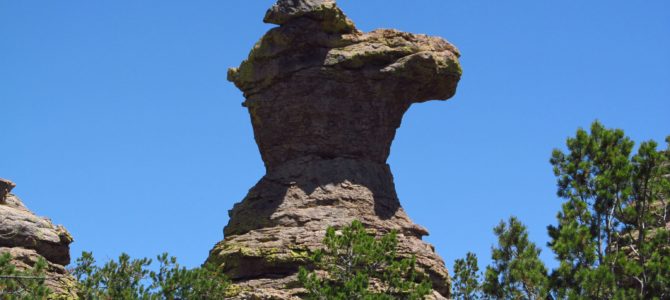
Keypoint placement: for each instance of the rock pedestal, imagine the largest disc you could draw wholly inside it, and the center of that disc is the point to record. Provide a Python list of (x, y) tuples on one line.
[(325, 101), (29, 238)]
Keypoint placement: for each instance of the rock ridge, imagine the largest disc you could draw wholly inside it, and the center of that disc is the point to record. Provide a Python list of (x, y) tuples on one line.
[(29, 238)]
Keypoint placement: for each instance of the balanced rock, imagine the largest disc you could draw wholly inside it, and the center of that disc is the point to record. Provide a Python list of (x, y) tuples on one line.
[(325, 101), (6, 187), (29, 238)]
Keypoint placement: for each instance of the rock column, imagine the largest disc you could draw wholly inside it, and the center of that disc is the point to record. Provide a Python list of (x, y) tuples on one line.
[(325, 101)]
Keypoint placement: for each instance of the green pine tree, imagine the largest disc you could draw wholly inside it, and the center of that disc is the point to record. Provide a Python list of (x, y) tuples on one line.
[(517, 271), (22, 284), (129, 279), (359, 266), (611, 240), (643, 264), (466, 280)]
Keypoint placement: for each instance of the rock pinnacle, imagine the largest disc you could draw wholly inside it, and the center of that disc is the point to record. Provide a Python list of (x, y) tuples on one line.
[(325, 100)]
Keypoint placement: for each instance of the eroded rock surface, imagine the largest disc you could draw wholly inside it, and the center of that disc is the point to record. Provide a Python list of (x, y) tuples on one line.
[(325, 101), (28, 238)]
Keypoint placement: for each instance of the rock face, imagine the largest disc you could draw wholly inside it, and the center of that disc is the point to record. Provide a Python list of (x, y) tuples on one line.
[(325, 101), (27, 238)]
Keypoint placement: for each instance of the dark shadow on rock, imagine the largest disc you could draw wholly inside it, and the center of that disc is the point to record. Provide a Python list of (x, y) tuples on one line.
[(329, 178)]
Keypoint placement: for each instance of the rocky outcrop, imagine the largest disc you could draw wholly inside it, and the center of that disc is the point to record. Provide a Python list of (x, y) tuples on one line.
[(28, 238), (325, 101)]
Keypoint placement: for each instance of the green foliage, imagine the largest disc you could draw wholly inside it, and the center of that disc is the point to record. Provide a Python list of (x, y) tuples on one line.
[(359, 266), (22, 284), (594, 179), (611, 239), (517, 271), (645, 238), (120, 279), (174, 282), (466, 280), (131, 279)]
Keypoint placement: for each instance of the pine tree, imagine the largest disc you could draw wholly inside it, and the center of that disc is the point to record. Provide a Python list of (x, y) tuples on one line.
[(517, 271), (22, 284), (644, 262), (611, 240), (466, 280), (128, 278), (360, 266)]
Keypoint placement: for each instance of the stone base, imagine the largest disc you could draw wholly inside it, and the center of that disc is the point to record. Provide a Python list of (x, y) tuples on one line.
[(272, 232), (62, 284)]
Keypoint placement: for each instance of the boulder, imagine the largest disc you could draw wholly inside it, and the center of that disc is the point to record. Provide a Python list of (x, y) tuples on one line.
[(28, 238)]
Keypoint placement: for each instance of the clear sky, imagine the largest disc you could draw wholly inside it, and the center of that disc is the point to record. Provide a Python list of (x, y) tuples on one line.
[(118, 121)]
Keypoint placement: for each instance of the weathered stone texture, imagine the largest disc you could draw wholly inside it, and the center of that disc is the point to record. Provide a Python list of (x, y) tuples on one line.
[(325, 101), (6, 187), (27, 238)]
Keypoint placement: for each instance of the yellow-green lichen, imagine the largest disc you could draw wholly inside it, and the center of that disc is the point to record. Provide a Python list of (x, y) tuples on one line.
[(233, 290), (300, 253)]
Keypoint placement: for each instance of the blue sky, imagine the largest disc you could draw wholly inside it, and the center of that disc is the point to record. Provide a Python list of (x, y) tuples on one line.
[(118, 121)]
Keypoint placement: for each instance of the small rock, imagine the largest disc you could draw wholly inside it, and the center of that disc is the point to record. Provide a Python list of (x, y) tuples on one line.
[(6, 187)]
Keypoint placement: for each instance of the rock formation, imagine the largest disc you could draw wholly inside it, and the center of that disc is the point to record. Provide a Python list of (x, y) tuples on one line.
[(325, 101), (28, 238)]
